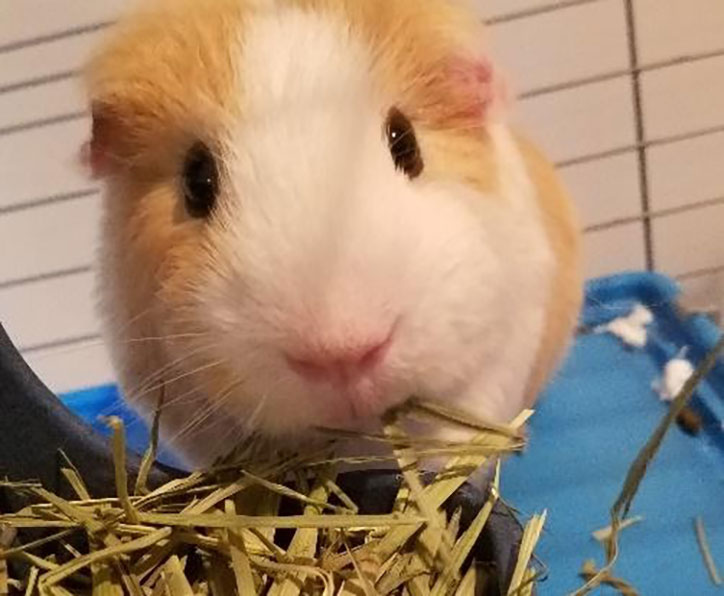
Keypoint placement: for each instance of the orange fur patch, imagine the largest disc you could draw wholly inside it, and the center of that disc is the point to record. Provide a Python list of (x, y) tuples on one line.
[(163, 78), (562, 228)]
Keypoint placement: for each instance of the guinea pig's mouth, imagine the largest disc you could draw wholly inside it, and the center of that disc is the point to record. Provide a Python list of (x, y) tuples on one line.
[(356, 407), (362, 407)]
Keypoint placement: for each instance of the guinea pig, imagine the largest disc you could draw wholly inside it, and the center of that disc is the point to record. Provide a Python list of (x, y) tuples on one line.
[(315, 209)]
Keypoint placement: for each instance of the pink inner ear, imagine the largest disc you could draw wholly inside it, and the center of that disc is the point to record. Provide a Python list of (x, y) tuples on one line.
[(95, 153), (473, 86)]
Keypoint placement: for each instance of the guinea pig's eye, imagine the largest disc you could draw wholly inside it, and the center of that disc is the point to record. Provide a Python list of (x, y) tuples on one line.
[(403, 144), (200, 181)]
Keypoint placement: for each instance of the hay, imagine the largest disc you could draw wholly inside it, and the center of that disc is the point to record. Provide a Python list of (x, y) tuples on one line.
[(706, 551), (589, 572), (215, 532)]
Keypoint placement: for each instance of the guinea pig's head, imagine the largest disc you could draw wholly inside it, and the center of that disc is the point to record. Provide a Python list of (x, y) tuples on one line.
[(305, 193)]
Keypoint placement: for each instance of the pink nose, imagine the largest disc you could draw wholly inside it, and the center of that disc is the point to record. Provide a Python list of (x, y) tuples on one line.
[(341, 363)]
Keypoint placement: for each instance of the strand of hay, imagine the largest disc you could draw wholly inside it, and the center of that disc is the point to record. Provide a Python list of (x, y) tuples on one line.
[(604, 534), (706, 551), (624, 588)]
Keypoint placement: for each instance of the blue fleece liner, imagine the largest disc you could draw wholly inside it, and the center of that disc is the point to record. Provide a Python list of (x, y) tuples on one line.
[(96, 403), (589, 426)]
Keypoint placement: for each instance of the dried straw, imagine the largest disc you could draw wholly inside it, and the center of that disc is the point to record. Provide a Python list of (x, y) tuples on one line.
[(214, 532)]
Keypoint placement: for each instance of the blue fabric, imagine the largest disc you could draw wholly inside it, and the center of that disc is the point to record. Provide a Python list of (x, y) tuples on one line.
[(93, 404), (589, 426)]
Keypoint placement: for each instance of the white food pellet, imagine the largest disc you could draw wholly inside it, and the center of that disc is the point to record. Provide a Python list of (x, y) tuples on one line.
[(631, 329), (676, 373)]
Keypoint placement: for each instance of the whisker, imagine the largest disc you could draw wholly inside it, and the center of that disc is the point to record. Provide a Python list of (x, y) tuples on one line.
[(158, 373), (102, 340), (160, 338), (184, 398), (242, 432), (256, 413), (175, 379), (218, 450), (214, 406), (86, 344)]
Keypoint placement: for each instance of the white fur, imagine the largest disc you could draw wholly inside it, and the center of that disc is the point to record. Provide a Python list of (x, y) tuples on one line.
[(318, 238)]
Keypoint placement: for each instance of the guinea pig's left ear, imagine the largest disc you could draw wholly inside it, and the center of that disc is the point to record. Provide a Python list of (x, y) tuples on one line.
[(477, 88)]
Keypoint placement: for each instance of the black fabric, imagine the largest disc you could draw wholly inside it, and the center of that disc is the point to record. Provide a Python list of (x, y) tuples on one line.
[(35, 426)]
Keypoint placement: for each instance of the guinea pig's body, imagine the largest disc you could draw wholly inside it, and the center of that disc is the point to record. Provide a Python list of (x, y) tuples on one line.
[(315, 209)]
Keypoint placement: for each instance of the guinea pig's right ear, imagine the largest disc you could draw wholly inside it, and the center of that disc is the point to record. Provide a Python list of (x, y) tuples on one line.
[(97, 154)]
